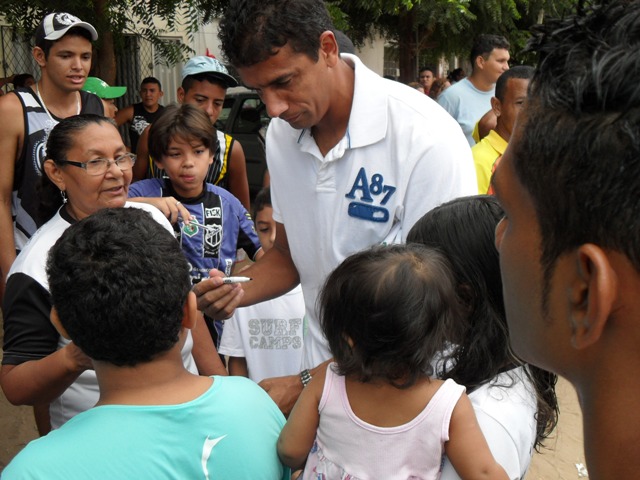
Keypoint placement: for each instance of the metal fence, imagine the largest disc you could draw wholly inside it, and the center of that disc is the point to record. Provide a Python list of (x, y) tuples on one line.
[(15, 54), (134, 62)]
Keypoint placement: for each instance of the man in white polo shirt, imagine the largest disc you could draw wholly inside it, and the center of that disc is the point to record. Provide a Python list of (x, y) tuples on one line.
[(354, 160)]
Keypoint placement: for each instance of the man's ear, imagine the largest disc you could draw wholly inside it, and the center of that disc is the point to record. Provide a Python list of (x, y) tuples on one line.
[(496, 106), (54, 172), (480, 61), (55, 320), (329, 48), (592, 295), (190, 311), (39, 56), (180, 92)]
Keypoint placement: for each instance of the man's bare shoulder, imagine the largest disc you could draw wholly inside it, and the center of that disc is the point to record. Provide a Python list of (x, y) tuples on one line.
[(124, 115), (10, 104), (12, 132)]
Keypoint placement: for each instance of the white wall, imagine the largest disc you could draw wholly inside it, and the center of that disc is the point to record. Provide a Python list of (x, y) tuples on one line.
[(372, 54)]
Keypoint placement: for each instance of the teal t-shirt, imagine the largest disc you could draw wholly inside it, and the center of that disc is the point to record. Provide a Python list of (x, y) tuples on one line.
[(229, 432)]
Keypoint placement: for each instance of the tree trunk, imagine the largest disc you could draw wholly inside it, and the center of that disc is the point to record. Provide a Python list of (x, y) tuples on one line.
[(407, 47), (104, 65)]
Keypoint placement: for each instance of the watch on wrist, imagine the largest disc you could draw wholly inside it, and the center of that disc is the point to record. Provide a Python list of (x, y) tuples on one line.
[(305, 377)]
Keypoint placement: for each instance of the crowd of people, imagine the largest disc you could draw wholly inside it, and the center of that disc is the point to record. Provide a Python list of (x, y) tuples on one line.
[(421, 267)]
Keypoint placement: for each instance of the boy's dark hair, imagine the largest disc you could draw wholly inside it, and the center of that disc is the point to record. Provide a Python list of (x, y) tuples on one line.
[(21, 79), (263, 199), (456, 75), (189, 80), (524, 72), (345, 45), (251, 31), (427, 68), (463, 229), (119, 282), (485, 44), (578, 148), (398, 307), (62, 139), (151, 80), (46, 45), (181, 121)]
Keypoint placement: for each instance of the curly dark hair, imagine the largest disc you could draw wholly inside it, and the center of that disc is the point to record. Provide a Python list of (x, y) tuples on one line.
[(119, 282), (251, 31), (580, 157), (463, 230)]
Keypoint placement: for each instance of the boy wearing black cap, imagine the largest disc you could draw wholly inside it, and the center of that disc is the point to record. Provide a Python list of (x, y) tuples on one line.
[(63, 52)]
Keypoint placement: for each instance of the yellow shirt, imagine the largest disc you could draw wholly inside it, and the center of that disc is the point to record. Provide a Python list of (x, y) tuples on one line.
[(485, 153)]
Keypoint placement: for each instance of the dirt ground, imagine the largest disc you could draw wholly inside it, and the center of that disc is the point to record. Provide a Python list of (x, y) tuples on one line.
[(560, 461)]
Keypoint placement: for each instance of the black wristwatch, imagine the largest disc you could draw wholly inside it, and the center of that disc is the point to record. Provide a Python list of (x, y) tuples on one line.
[(305, 377)]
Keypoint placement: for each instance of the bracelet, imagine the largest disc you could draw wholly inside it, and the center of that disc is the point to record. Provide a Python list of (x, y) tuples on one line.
[(305, 377)]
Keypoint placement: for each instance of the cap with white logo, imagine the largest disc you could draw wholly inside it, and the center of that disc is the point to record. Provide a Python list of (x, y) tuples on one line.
[(55, 25)]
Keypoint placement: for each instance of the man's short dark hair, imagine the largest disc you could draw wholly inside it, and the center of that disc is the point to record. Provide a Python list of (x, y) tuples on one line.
[(251, 31), (578, 148), (524, 72), (485, 44), (147, 80), (119, 282), (345, 45)]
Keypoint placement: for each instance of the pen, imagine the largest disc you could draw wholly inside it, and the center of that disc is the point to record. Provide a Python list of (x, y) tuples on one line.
[(227, 280)]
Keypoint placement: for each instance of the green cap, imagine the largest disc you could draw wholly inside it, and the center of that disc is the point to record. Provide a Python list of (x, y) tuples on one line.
[(102, 89)]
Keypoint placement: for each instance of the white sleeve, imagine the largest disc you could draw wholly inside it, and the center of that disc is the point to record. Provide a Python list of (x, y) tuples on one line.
[(157, 215), (444, 171), (450, 104), (231, 341), (501, 445)]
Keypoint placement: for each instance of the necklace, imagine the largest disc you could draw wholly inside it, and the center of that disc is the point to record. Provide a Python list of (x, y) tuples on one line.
[(45, 105)]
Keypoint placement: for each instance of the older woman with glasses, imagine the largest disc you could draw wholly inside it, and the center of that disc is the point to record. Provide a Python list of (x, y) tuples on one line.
[(87, 169)]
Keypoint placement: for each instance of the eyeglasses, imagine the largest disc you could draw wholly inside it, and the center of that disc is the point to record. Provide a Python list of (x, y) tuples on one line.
[(100, 166)]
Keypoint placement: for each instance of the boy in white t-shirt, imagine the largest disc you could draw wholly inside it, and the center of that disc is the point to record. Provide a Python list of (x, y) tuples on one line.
[(265, 340)]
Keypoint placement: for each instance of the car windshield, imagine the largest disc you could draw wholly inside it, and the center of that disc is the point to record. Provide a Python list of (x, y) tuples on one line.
[(221, 123)]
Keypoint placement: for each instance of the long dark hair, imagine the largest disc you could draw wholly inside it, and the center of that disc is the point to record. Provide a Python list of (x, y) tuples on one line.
[(463, 230), (61, 139)]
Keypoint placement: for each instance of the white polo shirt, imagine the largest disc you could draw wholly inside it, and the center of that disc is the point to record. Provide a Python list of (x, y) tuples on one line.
[(401, 156)]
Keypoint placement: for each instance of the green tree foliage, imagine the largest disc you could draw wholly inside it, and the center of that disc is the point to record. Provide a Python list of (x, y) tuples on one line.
[(422, 30), (115, 18), (425, 30)]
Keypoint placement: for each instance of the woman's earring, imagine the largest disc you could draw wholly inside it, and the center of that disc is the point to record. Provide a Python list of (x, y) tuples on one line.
[(63, 194)]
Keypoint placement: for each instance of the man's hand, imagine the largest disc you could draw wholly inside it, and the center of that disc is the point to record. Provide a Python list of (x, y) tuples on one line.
[(169, 206), (284, 391), (217, 300)]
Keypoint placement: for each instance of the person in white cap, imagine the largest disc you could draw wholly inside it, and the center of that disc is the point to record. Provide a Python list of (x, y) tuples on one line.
[(204, 84), (106, 93), (63, 52)]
